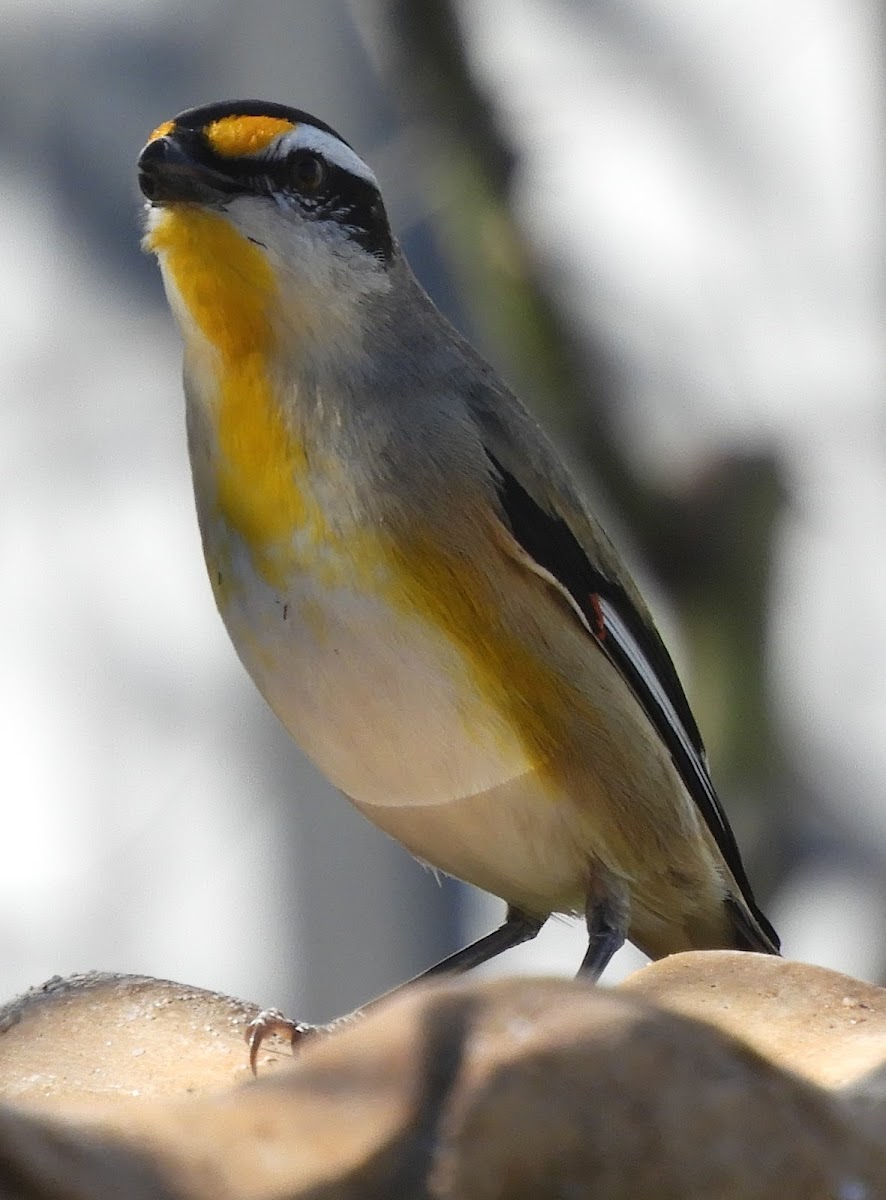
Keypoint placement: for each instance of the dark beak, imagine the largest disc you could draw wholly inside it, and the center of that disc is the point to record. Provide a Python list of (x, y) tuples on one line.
[(168, 172)]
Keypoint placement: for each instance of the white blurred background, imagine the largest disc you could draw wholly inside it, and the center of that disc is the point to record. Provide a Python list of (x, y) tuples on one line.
[(701, 188)]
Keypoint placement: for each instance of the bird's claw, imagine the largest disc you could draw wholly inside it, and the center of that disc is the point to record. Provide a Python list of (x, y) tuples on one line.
[(268, 1022)]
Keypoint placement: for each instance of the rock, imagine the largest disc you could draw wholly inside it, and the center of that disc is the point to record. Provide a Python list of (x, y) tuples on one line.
[(827, 1027), (122, 1036), (42, 1158), (478, 1091)]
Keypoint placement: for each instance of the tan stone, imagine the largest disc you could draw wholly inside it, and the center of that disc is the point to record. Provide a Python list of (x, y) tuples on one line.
[(825, 1026), (122, 1036), (508, 1090)]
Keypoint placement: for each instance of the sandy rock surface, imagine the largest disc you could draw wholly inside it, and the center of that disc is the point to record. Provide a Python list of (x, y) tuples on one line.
[(828, 1027), (124, 1037), (478, 1091)]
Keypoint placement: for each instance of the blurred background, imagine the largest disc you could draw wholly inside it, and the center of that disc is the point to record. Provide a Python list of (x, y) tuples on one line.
[(662, 220)]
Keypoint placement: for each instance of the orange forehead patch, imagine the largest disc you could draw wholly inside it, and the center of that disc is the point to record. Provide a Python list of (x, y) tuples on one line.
[(161, 130), (232, 136)]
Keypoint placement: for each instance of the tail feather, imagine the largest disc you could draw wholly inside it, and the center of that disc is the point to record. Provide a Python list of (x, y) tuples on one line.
[(752, 930)]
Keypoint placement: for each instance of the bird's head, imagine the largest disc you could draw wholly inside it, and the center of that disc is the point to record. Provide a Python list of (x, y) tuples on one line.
[(266, 223)]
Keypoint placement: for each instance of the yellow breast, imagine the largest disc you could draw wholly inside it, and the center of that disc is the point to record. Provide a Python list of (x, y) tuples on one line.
[(225, 291)]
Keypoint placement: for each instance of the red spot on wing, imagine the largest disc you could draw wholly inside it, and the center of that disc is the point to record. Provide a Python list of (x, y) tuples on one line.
[(599, 620)]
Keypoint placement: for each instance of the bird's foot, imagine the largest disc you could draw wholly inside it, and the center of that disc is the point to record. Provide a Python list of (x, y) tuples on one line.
[(270, 1022)]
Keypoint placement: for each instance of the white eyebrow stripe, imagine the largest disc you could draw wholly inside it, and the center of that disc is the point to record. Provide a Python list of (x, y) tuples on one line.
[(308, 137)]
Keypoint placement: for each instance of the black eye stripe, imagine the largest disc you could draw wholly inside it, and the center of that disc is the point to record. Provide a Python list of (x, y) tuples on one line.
[(352, 202), (357, 206)]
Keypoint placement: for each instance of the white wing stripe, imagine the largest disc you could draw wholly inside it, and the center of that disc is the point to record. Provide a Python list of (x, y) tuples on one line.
[(628, 644)]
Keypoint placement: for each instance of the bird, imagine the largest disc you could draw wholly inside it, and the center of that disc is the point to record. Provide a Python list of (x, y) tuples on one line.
[(408, 570)]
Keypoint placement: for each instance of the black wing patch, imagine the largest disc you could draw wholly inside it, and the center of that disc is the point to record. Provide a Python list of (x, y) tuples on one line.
[(639, 654), (549, 540)]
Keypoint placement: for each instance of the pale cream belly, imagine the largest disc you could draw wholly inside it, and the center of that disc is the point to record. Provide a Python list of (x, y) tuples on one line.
[(389, 712), (520, 841), (380, 700)]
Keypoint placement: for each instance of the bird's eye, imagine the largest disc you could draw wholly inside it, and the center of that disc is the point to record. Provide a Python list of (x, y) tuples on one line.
[(308, 172)]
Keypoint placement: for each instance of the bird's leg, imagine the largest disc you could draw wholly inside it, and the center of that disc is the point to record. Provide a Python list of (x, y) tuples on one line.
[(607, 914), (518, 928)]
